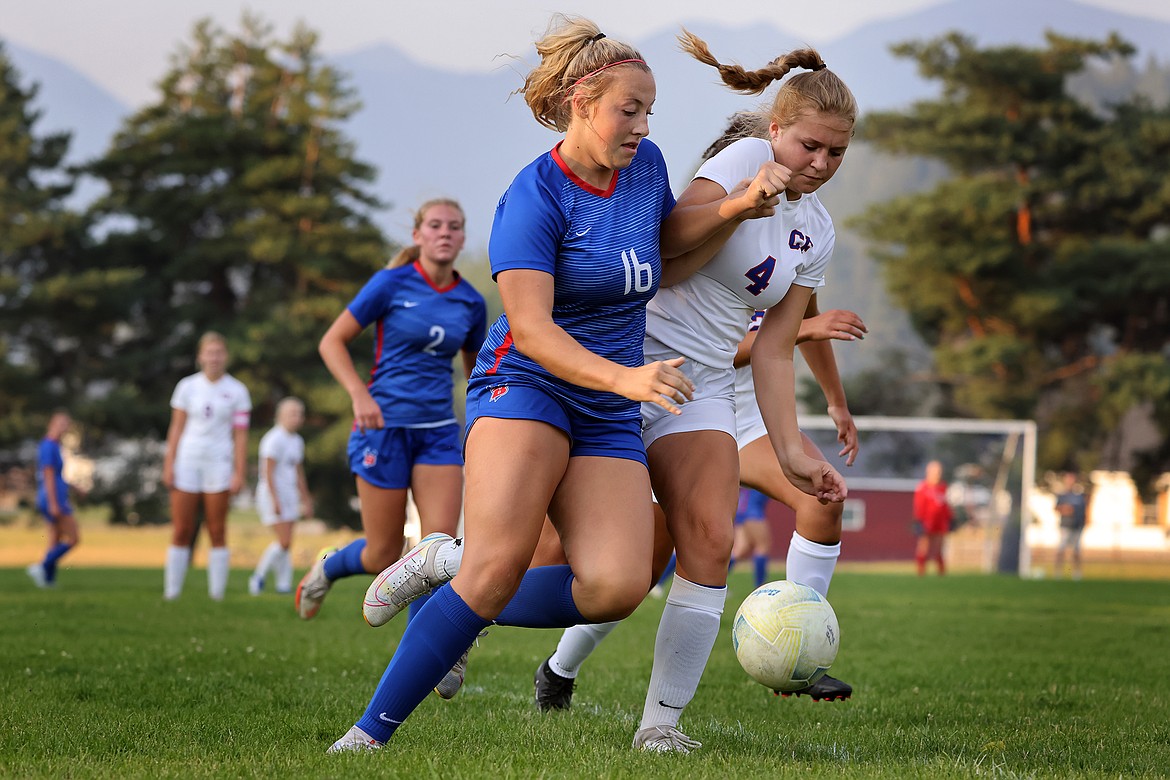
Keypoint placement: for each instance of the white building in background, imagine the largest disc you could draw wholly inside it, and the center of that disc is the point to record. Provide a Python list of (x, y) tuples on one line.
[(1117, 518)]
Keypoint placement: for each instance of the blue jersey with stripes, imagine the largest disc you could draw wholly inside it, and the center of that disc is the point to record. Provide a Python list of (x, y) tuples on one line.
[(420, 329), (49, 457), (602, 249)]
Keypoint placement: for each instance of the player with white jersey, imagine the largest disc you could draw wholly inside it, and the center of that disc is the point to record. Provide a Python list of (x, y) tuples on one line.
[(205, 459), (282, 493)]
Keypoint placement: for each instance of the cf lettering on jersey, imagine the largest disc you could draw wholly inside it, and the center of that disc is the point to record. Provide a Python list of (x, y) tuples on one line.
[(639, 275), (798, 240)]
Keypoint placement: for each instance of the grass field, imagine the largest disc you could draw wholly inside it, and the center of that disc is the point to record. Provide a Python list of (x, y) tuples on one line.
[(963, 676)]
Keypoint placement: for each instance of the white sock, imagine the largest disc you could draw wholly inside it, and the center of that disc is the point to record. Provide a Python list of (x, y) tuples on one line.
[(284, 571), (217, 572), (686, 634), (178, 559), (576, 644), (450, 557), (812, 564), (268, 558)]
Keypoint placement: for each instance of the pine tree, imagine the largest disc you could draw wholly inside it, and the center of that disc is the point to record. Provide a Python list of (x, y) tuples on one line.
[(45, 294), (1037, 269), (237, 203)]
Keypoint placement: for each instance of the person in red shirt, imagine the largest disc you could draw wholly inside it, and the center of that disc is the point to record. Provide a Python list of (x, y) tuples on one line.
[(932, 511)]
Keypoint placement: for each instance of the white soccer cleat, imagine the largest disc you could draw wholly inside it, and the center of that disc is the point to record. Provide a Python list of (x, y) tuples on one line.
[(255, 585), (354, 741), (313, 586), (36, 573), (453, 680), (665, 739), (414, 574)]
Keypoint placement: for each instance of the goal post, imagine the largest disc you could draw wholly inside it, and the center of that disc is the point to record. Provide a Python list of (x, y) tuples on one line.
[(991, 465)]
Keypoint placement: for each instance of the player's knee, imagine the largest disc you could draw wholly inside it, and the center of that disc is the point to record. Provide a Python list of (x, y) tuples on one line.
[(613, 596)]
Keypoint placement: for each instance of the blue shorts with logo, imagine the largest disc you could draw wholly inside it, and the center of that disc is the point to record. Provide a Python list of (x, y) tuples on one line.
[(751, 505), (62, 503), (385, 457), (512, 399)]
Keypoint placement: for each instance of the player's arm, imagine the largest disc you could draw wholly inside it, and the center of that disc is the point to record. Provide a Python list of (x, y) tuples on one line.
[(240, 456), (334, 351), (303, 487), (49, 477), (527, 296), (705, 208), (269, 466), (818, 354), (775, 381), (174, 433), (469, 356), (834, 324)]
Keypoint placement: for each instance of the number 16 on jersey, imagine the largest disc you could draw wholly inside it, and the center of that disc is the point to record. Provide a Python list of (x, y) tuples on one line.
[(639, 275)]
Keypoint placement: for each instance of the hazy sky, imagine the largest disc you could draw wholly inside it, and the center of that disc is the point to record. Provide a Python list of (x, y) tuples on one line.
[(124, 45)]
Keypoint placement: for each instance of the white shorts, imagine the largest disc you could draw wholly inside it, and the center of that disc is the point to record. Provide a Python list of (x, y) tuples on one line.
[(713, 407), (749, 423), (290, 506), (203, 475)]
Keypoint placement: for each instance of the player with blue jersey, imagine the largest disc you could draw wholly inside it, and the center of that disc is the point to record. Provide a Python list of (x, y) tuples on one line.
[(53, 501), (405, 436), (553, 418)]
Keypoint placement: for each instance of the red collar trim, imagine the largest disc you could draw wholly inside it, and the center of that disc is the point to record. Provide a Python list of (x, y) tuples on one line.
[(422, 272), (565, 169)]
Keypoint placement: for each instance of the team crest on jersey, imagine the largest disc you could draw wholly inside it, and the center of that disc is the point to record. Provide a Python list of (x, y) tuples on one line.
[(369, 458), (798, 240), (497, 393)]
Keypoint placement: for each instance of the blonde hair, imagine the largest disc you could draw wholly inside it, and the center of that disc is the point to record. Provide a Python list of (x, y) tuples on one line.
[(819, 91), (285, 403), (575, 62), (408, 254)]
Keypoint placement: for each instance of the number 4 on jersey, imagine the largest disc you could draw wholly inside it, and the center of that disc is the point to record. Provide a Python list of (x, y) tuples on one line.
[(760, 276)]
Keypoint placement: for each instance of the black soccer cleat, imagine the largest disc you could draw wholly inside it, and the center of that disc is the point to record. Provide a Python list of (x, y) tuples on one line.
[(553, 692), (825, 689)]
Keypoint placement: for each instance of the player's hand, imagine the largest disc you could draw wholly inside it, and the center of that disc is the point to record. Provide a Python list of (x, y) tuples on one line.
[(817, 478), (762, 195), (307, 507), (367, 415), (840, 324), (660, 382), (237, 483), (846, 433), (168, 476)]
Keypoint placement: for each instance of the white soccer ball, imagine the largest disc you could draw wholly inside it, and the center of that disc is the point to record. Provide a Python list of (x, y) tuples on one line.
[(785, 636)]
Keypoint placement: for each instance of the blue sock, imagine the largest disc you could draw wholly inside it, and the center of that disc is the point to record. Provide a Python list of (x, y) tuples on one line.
[(347, 561), (55, 553), (416, 605), (430, 646), (544, 600), (761, 566), (668, 572)]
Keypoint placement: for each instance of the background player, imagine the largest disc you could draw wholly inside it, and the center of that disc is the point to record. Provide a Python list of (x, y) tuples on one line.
[(553, 404), (753, 538), (282, 493), (405, 433), (53, 501), (207, 444), (934, 515)]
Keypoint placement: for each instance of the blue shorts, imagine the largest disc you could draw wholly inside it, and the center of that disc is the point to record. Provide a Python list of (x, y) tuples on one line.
[(751, 505), (588, 435), (62, 502), (385, 457)]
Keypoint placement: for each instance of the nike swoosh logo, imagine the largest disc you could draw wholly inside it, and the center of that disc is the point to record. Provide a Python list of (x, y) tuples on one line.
[(668, 706), (583, 232), (409, 304), (382, 717)]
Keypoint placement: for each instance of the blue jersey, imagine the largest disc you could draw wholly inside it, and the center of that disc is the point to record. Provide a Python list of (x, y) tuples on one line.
[(49, 457), (602, 249), (420, 329)]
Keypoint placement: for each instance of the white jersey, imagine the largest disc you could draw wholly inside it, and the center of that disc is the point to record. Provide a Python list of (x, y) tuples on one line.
[(705, 316), (213, 410), (287, 449)]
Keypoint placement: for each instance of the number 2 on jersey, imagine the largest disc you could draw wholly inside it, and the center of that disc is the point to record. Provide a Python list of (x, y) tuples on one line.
[(438, 335), (761, 276)]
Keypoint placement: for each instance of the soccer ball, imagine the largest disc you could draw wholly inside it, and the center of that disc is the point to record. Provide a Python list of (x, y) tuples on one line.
[(785, 636)]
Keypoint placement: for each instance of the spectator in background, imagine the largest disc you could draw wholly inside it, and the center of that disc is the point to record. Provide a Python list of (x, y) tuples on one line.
[(934, 515), (207, 447), (282, 493), (1072, 503), (53, 501)]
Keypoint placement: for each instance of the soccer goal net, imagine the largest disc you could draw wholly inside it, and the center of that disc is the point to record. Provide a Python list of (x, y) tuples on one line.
[(989, 465)]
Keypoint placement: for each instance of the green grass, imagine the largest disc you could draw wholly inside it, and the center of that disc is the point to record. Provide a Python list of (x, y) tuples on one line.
[(964, 676)]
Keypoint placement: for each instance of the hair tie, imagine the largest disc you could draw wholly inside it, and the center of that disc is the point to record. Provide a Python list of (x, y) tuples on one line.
[(597, 37), (820, 66)]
